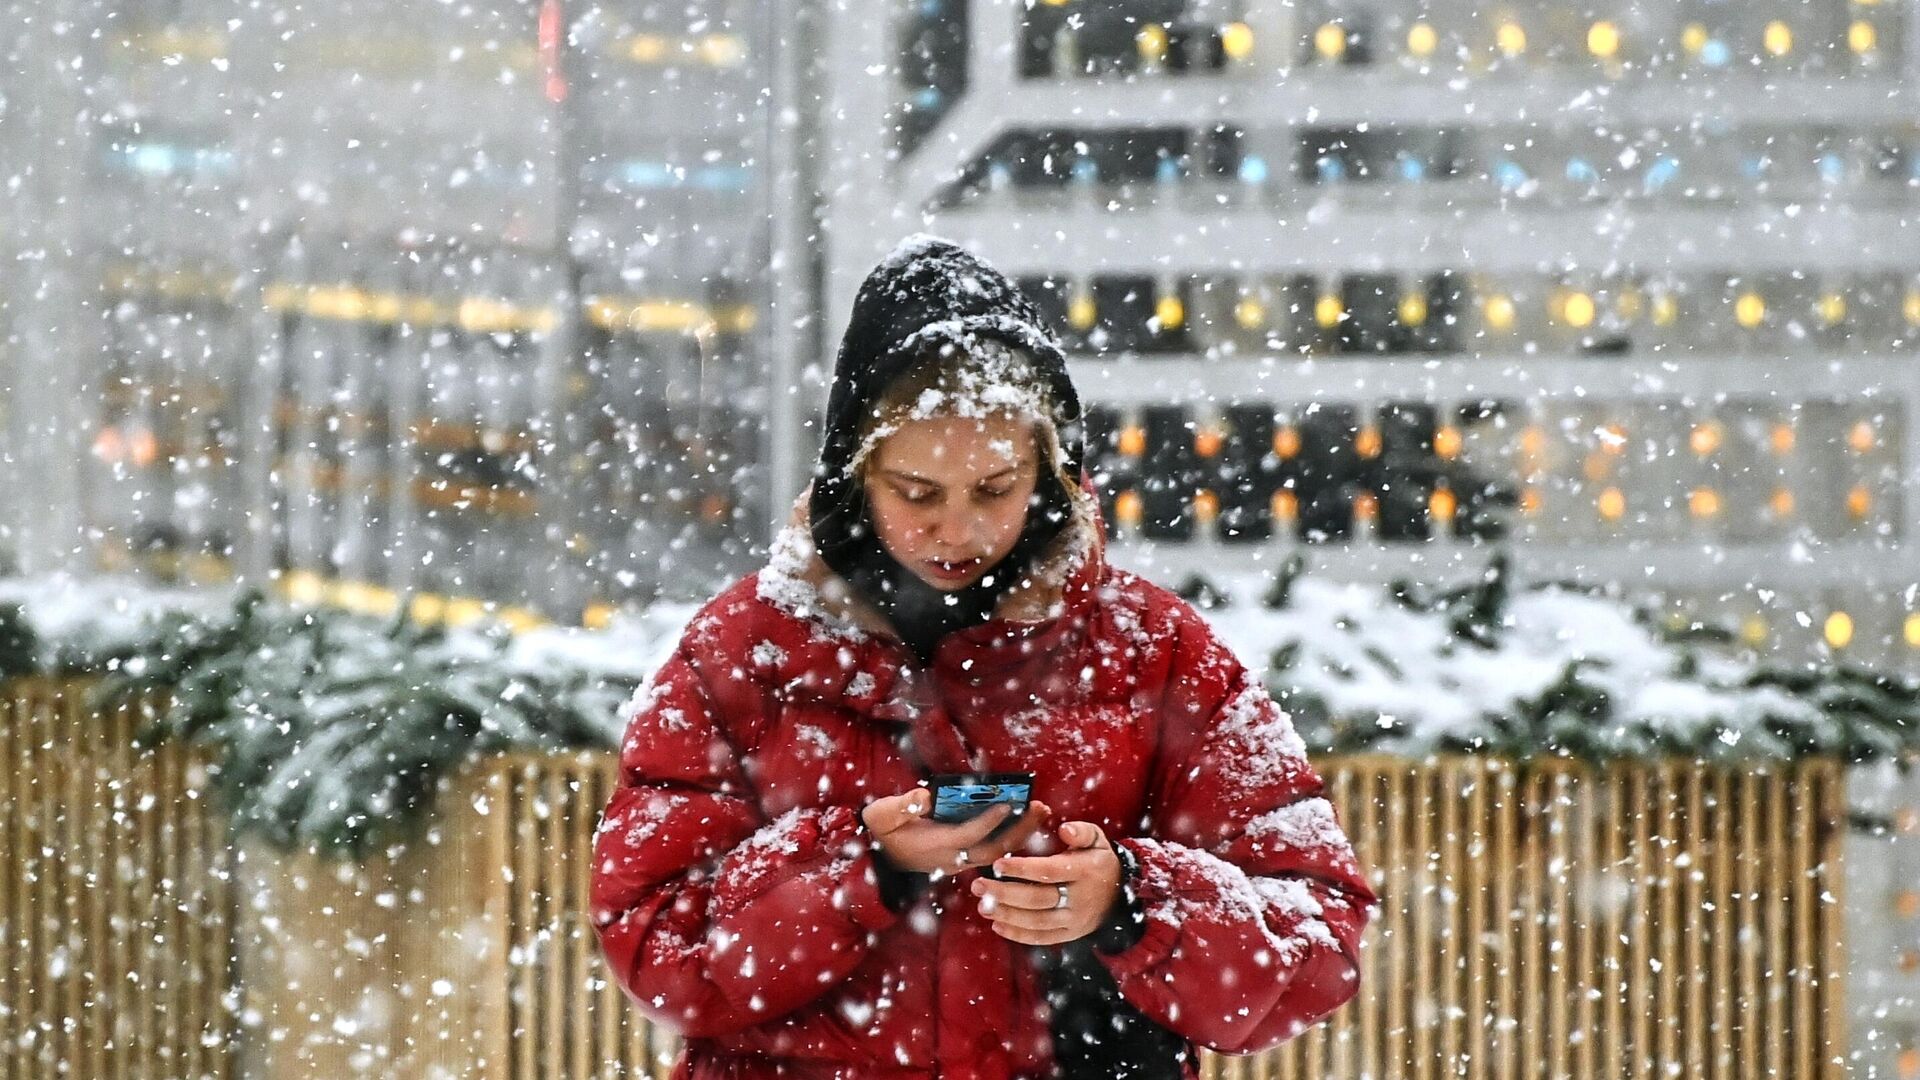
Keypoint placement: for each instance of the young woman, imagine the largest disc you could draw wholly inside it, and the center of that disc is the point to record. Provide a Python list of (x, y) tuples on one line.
[(766, 877)]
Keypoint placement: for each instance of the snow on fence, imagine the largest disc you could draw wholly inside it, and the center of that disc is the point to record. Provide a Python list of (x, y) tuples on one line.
[(1638, 920)]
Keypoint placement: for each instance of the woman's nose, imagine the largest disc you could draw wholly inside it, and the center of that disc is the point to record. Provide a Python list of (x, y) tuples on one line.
[(953, 531)]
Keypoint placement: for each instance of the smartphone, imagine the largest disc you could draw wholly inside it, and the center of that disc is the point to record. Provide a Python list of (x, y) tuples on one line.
[(961, 797)]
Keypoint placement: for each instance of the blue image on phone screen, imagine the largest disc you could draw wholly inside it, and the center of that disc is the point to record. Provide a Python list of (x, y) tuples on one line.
[(963, 802)]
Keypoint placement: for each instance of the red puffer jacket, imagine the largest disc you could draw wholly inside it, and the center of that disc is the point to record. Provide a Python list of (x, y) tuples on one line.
[(735, 897)]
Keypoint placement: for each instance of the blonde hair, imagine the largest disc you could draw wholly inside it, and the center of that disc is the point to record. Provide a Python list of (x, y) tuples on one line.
[(987, 379)]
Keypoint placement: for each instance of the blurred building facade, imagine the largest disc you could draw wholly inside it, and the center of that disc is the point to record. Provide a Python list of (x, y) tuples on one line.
[(390, 299), (530, 304)]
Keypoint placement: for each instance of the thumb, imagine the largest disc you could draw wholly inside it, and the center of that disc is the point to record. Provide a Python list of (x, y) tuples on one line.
[(890, 813), (1082, 834)]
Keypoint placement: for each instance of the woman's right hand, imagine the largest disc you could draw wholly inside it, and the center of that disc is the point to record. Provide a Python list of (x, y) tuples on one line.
[(912, 841)]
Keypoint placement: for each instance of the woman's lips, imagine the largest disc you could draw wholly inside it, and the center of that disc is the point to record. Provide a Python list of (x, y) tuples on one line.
[(952, 571)]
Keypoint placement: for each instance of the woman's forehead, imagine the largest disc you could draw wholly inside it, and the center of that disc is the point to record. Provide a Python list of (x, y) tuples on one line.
[(956, 447)]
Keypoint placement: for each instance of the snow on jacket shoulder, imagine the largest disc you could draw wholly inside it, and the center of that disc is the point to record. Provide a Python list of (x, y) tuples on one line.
[(737, 903)]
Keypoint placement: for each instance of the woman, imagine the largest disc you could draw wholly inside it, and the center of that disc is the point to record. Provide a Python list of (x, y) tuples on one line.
[(766, 878)]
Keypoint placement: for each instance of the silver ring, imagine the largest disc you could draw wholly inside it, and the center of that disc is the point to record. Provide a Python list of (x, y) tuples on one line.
[(1063, 897)]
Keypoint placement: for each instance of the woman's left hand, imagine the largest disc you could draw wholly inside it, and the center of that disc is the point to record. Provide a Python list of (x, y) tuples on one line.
[(1030, 911)]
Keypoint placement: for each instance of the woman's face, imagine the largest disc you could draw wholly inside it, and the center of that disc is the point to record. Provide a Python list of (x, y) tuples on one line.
[(949, 494)]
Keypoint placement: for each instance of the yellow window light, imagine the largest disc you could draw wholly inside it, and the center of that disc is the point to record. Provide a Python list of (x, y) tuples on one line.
[(1367, 441), (1530, 501), (1613, 438), (1413, 309), (1861, 437), (1236, 40), (1777, 38), (1750, 310), (1422, 39), (1511, 37), (1629, 303), (1206, 506), (1133, 441), (1533, 441), (1446, 441), (1704, 502), (1128, 508), (1442, 504), (1250, 314), (1910, 629), (1170, 312), (1781, 438), (1577, 309), (1910, 308), (647, 48), (1328, 311), (1603, 39), (1152, 41), (598, 616), (1499, 311), (1081, 312), (1693, 38), (1596, 467), (1705, 438), (1208, 442), (1666, 310), (1832, 308), (1754, 630), (1366, 506), (1862, 37), (1286, 441), (1839, 629), (721, 50), (1781, 504), (1859, 502), (1285, 506), (1330, 41), (1611, 503)]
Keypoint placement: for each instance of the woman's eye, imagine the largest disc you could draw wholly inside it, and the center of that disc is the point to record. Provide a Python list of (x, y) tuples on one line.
[(996, 493), (917, 496)]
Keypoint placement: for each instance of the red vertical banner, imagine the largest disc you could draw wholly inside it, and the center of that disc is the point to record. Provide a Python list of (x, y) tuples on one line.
[(552, 40)]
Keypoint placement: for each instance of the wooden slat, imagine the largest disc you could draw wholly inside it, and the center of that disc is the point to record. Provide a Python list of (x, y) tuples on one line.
[(1831, 811), (1472, 844), (1778, 894), (1748, 928), (1667, 981), (10, 929), (1697, 1039), (43, 781), (1505, 858), (1721, 868), (1397, 918)]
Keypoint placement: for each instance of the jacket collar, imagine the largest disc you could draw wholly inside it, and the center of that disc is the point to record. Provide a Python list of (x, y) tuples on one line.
[(799, 582)]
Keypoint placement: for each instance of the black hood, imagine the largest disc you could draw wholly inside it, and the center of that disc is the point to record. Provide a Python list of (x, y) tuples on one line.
[(928, 292)]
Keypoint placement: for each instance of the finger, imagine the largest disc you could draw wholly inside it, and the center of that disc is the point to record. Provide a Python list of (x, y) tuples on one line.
[(1017, 894), (985, 851), (893, 811), (1023, 919), (967, 834), (1082, 834), (1045, 869), (1034, 937)]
